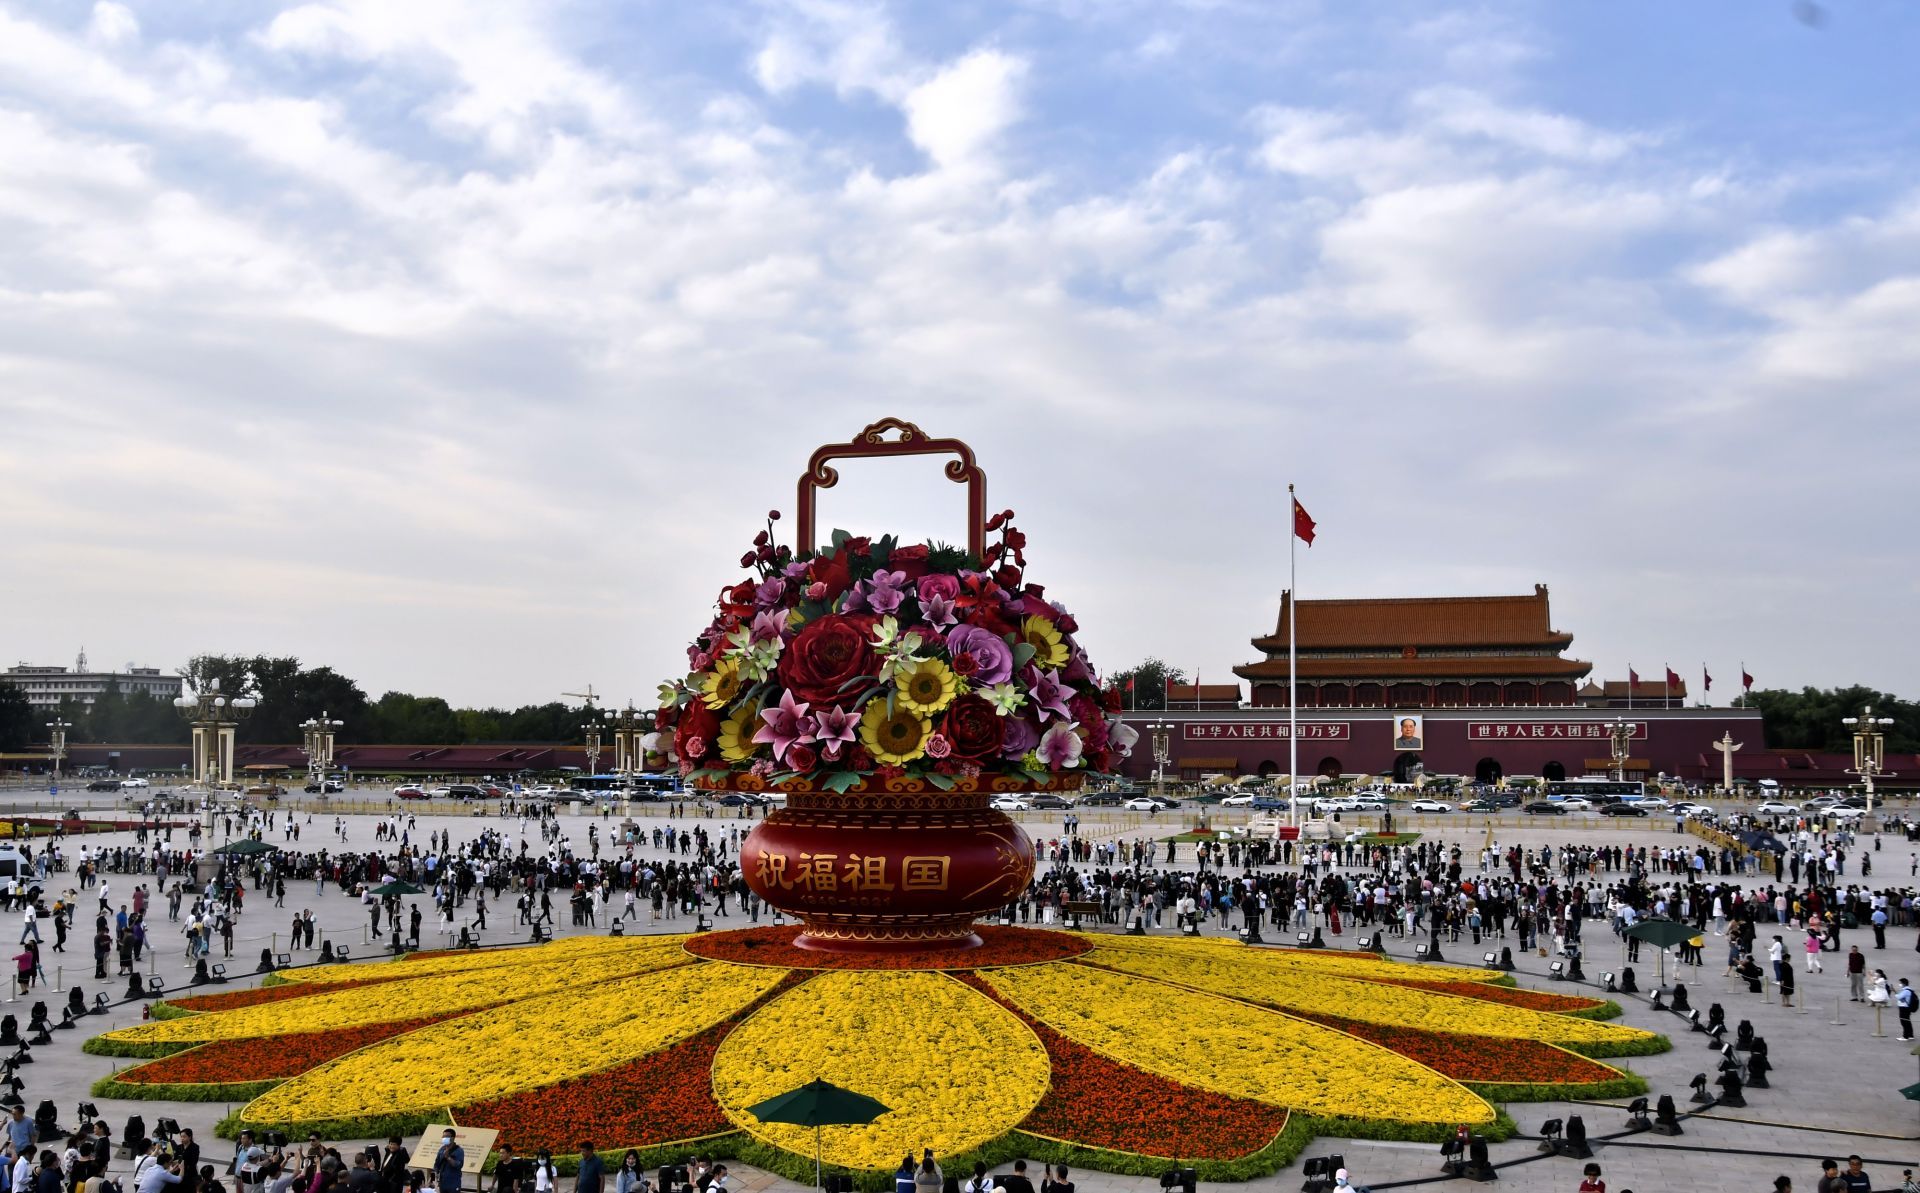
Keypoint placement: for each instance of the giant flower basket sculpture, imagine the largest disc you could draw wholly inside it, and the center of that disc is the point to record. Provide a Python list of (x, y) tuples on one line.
[(890, 691)]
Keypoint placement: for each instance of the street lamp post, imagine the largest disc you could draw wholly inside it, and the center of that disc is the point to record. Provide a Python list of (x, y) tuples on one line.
[(214, 718), (592, 730), (1869, 752), (57, 744), (1162, 732), (318, 734), (1621, 735)]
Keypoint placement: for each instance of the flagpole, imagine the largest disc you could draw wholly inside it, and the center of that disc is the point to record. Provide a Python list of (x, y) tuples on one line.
[(1629, 686), (1293, 679)]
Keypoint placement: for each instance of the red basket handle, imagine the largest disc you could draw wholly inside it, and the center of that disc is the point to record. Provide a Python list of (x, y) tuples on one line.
[(911, 441)]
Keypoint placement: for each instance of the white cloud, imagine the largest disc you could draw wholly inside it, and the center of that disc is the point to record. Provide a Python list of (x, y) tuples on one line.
[(959, 114), (111, 24)]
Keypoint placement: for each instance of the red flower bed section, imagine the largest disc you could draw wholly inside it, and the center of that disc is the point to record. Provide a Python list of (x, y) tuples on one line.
[(999, 947), (657, 1099), (1531, 1000), (252, 998), (1474, 1058), (1102, 1103), (267, 1058)]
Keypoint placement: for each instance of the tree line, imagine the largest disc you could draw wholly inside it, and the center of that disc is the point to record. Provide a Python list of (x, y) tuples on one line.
[(288, 694)]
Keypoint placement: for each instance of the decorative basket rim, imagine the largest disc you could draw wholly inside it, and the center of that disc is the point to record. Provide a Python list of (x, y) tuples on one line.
[(986, 784)]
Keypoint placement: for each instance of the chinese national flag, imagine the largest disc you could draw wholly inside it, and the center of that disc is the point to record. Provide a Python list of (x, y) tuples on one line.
[(1302, 523), (1129, 685), (1633, 679), (1706, 679), (1673, 680), (1746, 681)]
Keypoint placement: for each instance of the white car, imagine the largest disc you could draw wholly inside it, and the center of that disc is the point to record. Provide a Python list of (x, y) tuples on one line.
[(1576, 803), (544, 791), (129, 784), (1009, 803), (1429, 805), (1776, 808), (1846, 813), (1652, 803), (1369, 805), (1243, 800), (1140, 803)]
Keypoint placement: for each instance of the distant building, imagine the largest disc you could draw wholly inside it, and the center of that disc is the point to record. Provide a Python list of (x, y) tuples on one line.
[(1419, 652), (1204, 697), (1645, 694), (46, 687)]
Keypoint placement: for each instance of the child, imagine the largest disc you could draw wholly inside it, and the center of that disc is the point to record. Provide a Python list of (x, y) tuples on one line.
[(1593, 1183)]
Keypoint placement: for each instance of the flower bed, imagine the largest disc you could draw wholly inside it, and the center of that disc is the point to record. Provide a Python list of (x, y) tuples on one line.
[(1531, 1000), (447, 961), (259, 996), (1371, 966), (1476, 1060), (240, 1070), (1383, 1003), (659, 1099), (999, 947), (956, 1069), (390, 1002), (1102, 1103), (585, 1027), (1232, 1048)]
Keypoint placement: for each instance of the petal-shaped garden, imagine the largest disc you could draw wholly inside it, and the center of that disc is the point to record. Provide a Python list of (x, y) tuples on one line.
[(1099, 1050)]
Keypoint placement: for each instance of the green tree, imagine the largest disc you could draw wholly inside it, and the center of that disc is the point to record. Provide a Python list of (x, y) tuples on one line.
[(18, 725), (107, 718), (1813, 718), (203, 669), (398, 718), (1150, 680)]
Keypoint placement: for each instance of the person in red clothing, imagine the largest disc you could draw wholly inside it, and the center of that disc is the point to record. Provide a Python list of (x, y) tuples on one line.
[(1591, 1182)]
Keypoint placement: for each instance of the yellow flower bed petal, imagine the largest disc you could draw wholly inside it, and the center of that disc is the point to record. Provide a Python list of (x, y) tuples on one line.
[(1367, 1002), (391, 1002), (421, 965), (1349, 965), (955, 1069), (534, 1042), (1232, 1048)]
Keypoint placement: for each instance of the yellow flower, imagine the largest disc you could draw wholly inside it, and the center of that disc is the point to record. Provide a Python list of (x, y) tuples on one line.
[(736, 736), (721, 686), (1049, 648), (894, 737), (927, 686)]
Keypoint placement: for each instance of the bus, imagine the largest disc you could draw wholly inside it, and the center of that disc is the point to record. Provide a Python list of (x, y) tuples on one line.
[(643, 784), (1600, 791)]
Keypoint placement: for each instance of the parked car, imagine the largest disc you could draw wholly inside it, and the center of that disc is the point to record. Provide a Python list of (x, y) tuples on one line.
[(1776, 808), (1429, 805), (1625, 809), (1545, 807), (1048, 801), (1009, 803)]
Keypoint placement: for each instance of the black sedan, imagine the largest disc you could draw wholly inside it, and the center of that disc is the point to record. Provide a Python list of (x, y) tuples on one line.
[(1047, 801), (1544, 807), (104, 785), (1623, 810)]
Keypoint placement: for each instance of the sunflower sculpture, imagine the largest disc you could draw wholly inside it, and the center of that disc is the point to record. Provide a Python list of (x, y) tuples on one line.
[(1106, 1051)]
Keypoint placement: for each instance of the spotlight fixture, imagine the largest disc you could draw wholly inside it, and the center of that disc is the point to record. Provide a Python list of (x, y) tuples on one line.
[(1637, 1119), (1700, 1094), (1606, 979)]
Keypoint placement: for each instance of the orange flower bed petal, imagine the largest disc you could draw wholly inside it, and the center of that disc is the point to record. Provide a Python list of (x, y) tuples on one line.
[(1473, 1058), (1097, 1102), (999, 947), (1530, 1000), (663, 1098), (266, 1058)]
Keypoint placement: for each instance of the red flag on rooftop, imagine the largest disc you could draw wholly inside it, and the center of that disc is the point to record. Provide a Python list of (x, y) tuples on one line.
[(1302, 523), (1746, 681), (1633, 680), (1706, 679), (1673, 678)]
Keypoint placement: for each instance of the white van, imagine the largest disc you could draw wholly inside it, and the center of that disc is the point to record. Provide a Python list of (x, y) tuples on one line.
[(14, 864)]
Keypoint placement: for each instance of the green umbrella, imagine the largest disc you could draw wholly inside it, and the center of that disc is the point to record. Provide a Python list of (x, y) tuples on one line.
[(1663, 935), (1912, 1092), (396, 887), (818, 1104), (246, 847)]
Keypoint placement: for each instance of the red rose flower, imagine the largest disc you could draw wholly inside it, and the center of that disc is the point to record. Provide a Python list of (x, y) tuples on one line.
[(974, 728), (911, 560), (830, 575), (800, 757), (824, 655), (698, 729)]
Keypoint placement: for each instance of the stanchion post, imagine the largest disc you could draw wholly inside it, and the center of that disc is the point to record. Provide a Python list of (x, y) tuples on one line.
[(1836, 1021), (1877, 1030), (59, 975)]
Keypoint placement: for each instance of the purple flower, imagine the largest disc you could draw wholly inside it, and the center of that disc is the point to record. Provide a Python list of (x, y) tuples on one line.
[(992, 657), (767, 593), (833, 728), (796, 570), (938, 611), (1078, 670), (785, 723), (1046, 693), (768, 626), (885, 591), (1021, 735), (1060, 748)]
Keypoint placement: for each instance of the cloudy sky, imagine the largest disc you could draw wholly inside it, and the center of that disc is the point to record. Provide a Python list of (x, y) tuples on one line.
[(463, 345)]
